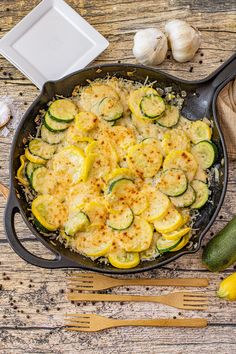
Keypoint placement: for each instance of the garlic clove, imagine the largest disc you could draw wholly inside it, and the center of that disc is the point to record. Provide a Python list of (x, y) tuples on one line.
[(5, 113), (184, 40), (150, 46)]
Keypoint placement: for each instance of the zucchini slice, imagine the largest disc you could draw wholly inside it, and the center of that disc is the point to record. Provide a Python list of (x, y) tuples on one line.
[(30, 169), (145, 158), (173, 182), (124, 260), (175, 139), (53, 125), (62, 110), (152, 106), (51, 137), (77, 222), (158, 205), (170, 118), (202, 194), (205, 153), (49, 212), (42, 180), (138, 237), (21, 172), (183, 160), (121, 187), (86, 121), (199, 131), (170, 222), (39, 148), (121, 219), (110, 109), (163, 245), (186, 199), (135, 98), (33, 158)]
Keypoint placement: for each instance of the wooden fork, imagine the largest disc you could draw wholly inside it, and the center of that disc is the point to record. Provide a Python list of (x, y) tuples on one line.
[(94, 323), (94, 282), (180, 300)]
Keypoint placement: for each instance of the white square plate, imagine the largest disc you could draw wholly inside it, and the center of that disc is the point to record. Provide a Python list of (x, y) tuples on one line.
[(52, 41)]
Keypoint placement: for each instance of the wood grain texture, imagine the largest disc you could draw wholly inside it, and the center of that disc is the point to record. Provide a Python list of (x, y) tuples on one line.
[(32, 300)]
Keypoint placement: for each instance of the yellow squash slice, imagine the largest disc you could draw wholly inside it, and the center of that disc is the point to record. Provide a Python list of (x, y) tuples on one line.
[(175, 139), (183, 160), (105, 158), (152, 251), (170, 222), (137, 237), (80, 194), (92, 95), (21, 171), (34, 158), (182, 243), (175, 235), (96, 212), (139, 202), (86, 121), (158, 205), (75, 136), (124, 260), (118, 173), (123, 138), (69, 162), (49, 212), (94, 243), (145, 158)]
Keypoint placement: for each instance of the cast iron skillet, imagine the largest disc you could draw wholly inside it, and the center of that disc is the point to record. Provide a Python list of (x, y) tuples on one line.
[(200, 102)]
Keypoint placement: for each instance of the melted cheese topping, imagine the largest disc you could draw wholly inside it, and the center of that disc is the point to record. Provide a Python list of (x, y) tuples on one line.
[(108, 146)]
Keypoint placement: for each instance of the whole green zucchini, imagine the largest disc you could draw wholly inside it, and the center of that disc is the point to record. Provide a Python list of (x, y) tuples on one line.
[(220, 252)]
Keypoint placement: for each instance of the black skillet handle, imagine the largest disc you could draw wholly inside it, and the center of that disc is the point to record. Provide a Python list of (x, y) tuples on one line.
[(224, 72), (10, 211)]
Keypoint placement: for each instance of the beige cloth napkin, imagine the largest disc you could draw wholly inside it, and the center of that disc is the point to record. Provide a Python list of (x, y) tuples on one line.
[(226, 109)]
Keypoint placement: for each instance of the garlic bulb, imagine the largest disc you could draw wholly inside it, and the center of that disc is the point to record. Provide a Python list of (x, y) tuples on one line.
[(150, 46), (184, 40), (5, 113)]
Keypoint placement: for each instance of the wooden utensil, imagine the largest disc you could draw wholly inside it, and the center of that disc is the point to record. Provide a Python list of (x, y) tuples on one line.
[(94, 282), (4, 190), (180, 300), (94, 323)]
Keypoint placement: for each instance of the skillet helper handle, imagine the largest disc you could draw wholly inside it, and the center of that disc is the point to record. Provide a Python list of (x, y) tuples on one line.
[(10, 211), (225, 71)]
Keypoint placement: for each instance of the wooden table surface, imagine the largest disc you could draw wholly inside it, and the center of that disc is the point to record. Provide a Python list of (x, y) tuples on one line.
[(32, 300)]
